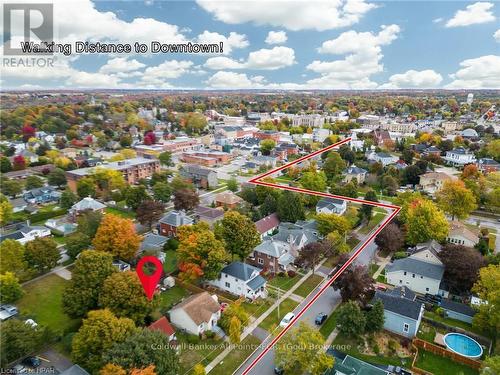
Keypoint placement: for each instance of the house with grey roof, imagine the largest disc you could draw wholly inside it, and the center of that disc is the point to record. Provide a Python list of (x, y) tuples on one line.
[(355, 173), (86, 204), (199, 176), (277, 253), (457, 311), (402, 313), (26, 233), (44, 194), (241, 279), (170, 223), (421, 272), (331, 206), (208, 215)]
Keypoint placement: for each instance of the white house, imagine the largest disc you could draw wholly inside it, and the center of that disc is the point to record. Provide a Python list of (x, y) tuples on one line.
[(421, 272), (432, 182), (331, 206), (27, 233), (241, 279), (382, 157), (196, 314), (459, 234), (459, 157)]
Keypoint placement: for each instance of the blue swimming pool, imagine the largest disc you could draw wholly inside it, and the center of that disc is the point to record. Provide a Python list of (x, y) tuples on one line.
[(463, 345)]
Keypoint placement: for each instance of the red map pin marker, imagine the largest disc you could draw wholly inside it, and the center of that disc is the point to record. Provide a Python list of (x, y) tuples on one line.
[(149, 282)]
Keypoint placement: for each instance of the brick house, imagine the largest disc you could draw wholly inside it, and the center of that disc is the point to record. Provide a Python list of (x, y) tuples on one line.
[(227, 199), (172, 221)]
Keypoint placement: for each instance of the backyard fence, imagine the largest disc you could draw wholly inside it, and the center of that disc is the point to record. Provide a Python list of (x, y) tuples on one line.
[(418, 343), (196, 289)]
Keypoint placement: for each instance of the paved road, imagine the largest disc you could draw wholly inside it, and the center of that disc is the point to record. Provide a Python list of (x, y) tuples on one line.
[(489, 223), (327, 302)]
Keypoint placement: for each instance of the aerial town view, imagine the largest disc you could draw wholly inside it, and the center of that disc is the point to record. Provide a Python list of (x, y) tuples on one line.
[(250, 187)]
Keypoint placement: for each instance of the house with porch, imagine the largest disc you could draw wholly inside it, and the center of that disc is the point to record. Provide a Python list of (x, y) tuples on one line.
[(241, 279), (197, 314)]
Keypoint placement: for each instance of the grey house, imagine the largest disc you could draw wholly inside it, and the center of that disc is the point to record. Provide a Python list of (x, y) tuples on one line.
[(199, 176), (402, 314), (458, 311)]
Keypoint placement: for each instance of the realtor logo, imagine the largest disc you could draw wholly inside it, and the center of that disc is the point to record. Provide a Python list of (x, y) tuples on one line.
[(26, 23)]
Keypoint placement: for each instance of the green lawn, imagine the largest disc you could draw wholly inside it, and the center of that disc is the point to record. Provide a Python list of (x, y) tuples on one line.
[(353, 242), (284, 282), (376, 219), (114, 211), (273, 319), (308, 285), (201, 351), (329, 324), (168, 299), (258, 307), (441, 366), (42, 301), (454, 323), (237, 356), (350, 346), (373, 268), (170, 264)]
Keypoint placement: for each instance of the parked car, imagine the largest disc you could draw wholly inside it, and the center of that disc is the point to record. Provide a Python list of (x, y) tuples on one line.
[(19, 369), (32, 362), (287, 319), (320, 318), (278, 370)]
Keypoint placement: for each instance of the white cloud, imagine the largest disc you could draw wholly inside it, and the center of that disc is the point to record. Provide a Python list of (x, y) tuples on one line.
[(497, 35), (234, 40), (438, 20), (363, 58), (232, 80), (121, 64), (170, 69), (480, 12), (414, 79), (276, 37), (294, 15), (263, 59), (479, 73), (97, 80)]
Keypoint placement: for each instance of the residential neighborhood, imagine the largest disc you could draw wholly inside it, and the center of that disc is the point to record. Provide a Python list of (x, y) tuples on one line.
[(362, 223)]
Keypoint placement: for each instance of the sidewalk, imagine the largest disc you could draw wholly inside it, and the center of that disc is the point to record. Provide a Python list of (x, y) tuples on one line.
[(383, 264), (248, 330)]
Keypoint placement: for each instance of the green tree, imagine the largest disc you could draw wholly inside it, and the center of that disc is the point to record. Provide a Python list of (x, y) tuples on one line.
[(290, 207), (18, 339), (491, 365), (166, 159), (135, 195), (328, 223), (239, 234), (266, 145), (33, 182), (487, 288), (185, 199), (12, 259), (85, 187), (57, 177), (198, 369), (77, 242), (135, 352), (269, 206), (334, 165), (6, 210), (5, 164), (232, 184), (234, 330), (89, 222), (10, 289), (375, 317), (162, 192), (301, 351), (11, 188), (365, 212), (42, 254), (315, 181), (91, 269), (68, 199), (455, 199), (425, 222), (350, 319), (98, 333), (235, 309), (123, 294)]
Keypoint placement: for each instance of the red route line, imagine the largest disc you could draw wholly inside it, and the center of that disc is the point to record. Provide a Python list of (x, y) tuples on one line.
[(256, 180)]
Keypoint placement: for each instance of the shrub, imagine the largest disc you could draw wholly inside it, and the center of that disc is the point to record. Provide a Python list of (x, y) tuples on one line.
[(292, 273), (210, 334), (393, 346), (376, 349), (192, 339), (440, 311), (281, 274), (400, 255)]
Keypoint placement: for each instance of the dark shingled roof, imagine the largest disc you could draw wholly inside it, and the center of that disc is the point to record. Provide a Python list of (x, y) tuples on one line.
[(457, 307), (240, 270), (399, 305), (430, 270)]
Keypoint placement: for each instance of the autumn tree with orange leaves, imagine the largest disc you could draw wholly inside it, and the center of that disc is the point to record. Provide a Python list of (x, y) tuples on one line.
[(199, 253), (117, 235)]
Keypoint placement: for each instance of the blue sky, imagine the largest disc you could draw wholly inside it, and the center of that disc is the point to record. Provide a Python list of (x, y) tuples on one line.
[(336, 44)]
